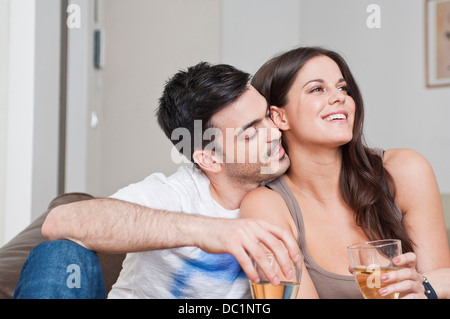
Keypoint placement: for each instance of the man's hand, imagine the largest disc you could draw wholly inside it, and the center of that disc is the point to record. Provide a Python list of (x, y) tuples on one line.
[(248, 239)]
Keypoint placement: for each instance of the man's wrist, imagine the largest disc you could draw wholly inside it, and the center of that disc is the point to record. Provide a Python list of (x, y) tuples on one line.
[(191, 230)]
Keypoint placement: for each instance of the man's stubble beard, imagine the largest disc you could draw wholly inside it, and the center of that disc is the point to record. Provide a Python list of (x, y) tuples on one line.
[(245, 173)]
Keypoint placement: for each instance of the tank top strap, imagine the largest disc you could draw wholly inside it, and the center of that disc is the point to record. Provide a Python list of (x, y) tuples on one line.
[(328, 285), (280, 186)]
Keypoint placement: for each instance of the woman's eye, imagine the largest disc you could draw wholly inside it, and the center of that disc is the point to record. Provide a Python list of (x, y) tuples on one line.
[(345, 89), (317, 89)]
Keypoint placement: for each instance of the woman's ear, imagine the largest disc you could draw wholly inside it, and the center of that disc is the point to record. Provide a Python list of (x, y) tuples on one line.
[(206, 161), (278, 116)]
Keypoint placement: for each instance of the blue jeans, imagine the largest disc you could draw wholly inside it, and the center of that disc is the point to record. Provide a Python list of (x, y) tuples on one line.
[(61, 270)]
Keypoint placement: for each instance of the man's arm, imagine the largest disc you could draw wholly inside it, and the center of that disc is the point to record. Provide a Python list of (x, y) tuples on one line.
[(113, 226)]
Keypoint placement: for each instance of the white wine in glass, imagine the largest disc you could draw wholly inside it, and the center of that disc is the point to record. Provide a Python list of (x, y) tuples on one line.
[(265, 290), (369, 282), (369, 261), (287, 289)]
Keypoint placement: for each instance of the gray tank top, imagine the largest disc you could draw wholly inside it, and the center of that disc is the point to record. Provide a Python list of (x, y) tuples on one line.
[(328, 284)]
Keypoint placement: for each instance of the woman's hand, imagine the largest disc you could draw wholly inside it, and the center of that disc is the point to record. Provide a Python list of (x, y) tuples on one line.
[(407, 281)]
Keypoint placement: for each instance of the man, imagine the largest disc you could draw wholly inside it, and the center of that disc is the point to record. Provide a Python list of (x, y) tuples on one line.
[(179, 231)]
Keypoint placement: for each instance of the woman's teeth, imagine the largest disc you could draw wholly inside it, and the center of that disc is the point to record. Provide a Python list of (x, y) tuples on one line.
[(336, 117)]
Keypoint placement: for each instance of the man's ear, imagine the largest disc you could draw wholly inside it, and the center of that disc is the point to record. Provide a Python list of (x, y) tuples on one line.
[(207, 161), (278, 116)]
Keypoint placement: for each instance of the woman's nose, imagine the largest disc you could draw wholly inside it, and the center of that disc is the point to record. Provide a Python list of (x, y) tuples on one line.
[(337, 97)]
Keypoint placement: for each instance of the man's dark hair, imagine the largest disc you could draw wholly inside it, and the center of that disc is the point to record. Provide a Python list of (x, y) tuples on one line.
[(198, 94)]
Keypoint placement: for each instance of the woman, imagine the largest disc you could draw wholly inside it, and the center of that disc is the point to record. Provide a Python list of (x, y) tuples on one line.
[(337, 191)]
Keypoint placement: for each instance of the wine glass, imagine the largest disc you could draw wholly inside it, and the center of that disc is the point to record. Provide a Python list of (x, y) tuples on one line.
[(369, 261), (287, 289)]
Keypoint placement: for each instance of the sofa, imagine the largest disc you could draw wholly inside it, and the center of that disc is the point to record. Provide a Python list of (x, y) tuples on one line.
[(14, 253)]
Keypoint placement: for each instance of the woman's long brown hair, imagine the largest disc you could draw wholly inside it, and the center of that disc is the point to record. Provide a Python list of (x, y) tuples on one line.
[(366, 186)]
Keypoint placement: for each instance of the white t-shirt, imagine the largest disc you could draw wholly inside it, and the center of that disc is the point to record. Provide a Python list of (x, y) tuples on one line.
[(186, 272)]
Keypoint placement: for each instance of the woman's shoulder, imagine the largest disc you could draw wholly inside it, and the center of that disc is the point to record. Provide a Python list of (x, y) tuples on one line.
[(261, 199), (413, 176), (405, 161), (262, 194), (267, 204)]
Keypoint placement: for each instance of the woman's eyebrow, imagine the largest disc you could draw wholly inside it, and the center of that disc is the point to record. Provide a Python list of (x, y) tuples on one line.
[(322, 81), (315, 80)]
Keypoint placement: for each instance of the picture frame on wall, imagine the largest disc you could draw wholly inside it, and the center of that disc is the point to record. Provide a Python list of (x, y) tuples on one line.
[(437, 25)]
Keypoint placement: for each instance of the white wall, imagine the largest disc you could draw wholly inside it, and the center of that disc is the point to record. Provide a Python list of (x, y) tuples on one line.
[(30, 106), (20, 113), (46, 106), (389, 64), (4, 35), (79, 64), (255, 30)]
